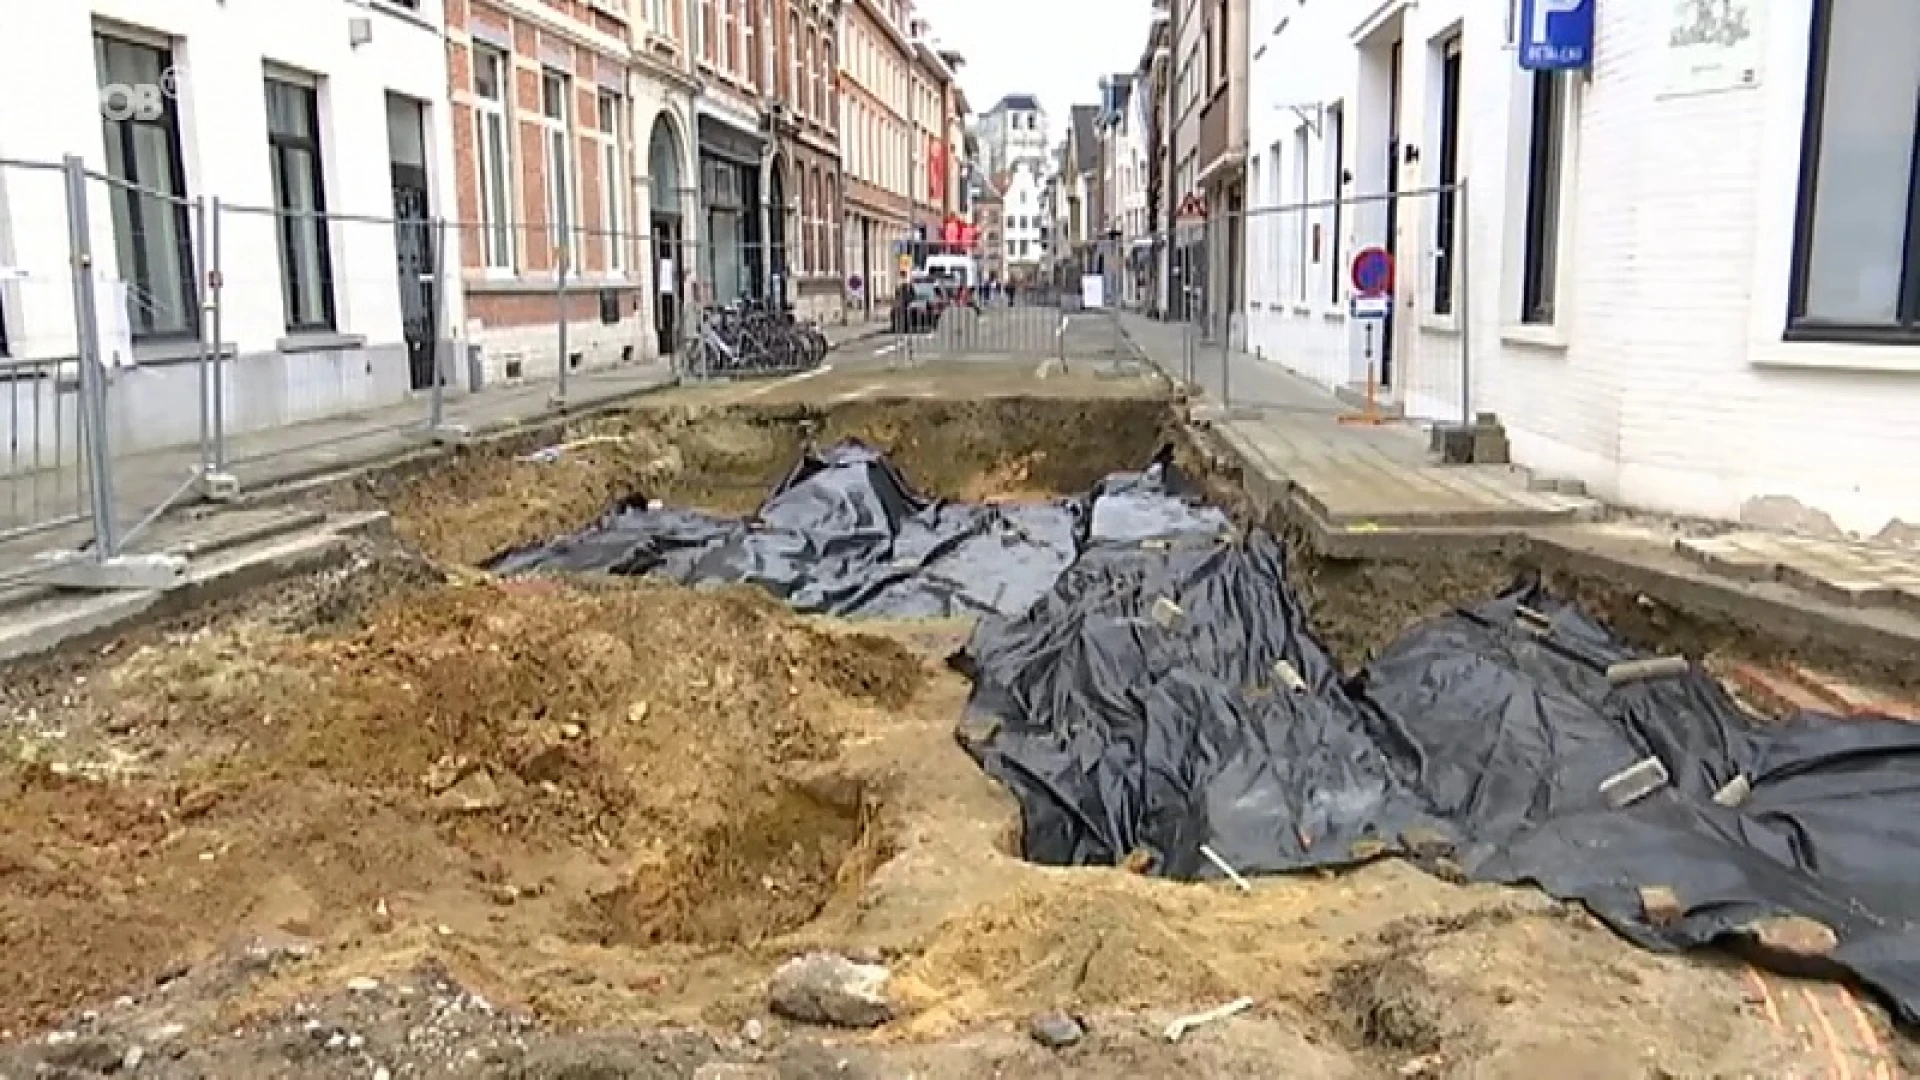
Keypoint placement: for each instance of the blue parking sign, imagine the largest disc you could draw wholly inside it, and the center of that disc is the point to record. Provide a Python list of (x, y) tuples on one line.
[(1556, 35)]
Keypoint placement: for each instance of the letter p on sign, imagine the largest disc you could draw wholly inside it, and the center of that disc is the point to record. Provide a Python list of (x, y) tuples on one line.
[(1544, 8)]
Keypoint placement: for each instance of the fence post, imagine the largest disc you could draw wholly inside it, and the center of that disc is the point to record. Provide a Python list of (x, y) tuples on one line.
[(201, 220), (562, 256), (215, 289), (1220, 302), (94, 440), (437, 398), (1463, 285)]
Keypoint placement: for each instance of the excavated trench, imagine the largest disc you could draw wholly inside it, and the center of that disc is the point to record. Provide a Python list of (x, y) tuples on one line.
[(619, 802)]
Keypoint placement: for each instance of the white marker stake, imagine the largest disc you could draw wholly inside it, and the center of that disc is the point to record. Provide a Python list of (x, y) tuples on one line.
[(1188, 1023), (1220, 863)]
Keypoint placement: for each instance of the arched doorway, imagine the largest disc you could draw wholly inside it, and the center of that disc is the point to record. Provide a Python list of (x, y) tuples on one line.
[(665, 187), (780, 287)]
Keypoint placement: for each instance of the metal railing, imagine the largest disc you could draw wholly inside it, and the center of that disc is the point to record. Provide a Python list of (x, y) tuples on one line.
[(1284, 285), (1066, 318), (160, 348)]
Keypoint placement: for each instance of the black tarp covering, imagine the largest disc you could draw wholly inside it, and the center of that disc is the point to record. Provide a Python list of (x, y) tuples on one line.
[(1120, 731), (1127, 690), (844, 534)]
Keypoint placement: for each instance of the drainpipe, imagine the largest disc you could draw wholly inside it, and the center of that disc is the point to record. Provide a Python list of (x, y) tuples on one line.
[(840, 164), (697, 218), (1173, 159), (913, 137)]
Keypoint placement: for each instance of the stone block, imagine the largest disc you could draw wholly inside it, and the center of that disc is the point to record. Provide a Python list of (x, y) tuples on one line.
[(1490, 447), (1456, 445)]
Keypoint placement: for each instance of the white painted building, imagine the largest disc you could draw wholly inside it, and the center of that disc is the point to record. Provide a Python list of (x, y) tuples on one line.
[(1025, 218), (298, 105), (1014, 130), (1124, 228), (1689, 280)]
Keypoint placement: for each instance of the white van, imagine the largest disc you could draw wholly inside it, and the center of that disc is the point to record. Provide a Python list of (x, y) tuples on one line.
[(957, 269)]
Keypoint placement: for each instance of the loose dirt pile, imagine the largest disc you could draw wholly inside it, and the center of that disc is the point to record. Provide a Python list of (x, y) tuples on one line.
[(628, 765), (398, 817)]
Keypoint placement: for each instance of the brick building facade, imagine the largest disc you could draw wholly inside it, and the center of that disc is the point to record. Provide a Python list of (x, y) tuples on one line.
[(806, 151), (542, 132)]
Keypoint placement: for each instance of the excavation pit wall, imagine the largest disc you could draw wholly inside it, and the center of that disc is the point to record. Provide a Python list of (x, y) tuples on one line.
[(614, 804)]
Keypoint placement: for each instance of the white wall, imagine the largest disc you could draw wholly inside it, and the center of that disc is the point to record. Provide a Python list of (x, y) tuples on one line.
[(219, 52), (1663, 382), (1309, 63), (1022, 202)]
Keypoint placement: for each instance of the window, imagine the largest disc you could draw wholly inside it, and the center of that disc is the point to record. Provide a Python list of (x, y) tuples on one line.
[(657, 16), (1303, 230), (708, 32), (1445, 214), (749, 31), (556, 91), (817, 199), (1856, 266), (613, 185), (151, 233), (293, 142), (811, 90), (730, 35), (831, 208), (490, 135), (797, 88), (831, 114), (1259, 229), (1538, 276)]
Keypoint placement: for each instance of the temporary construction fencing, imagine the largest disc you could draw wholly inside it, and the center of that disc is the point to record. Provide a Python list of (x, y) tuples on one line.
[(1367, 295), (156, 348), (934, 319)]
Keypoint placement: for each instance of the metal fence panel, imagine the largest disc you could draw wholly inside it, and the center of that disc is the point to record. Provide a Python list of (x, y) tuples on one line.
[(931, 321), (1396, 344), (47, 498)]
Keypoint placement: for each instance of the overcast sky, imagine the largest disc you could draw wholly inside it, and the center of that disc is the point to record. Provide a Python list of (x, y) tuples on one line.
[(1054, 49)]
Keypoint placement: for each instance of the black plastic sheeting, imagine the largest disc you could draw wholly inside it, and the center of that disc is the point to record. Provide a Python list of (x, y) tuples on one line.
[(844, 534), (1126, 690), (1121, 727)]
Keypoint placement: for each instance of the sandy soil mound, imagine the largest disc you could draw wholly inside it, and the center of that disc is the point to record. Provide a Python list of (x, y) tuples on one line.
[(635, 764)]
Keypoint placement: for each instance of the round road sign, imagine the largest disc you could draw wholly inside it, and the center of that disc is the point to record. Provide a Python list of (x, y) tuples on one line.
[(1373, 272)]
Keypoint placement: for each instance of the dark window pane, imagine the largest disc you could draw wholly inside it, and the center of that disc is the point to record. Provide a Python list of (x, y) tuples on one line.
[(1858, 245), (1543, 201)]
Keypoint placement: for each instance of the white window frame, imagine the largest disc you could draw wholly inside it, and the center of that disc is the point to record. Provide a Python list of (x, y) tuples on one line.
[(497, 246), (1550, 334), (803, 183), (796, 95), (611, 141), (561, 158), (1301, 182), (1333, 148), (1447, 47), (750, 71), (730, 37)]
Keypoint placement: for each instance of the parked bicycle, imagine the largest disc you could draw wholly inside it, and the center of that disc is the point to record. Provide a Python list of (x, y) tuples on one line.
[(752, 337)]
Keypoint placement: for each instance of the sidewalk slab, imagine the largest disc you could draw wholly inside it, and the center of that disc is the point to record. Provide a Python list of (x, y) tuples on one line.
[(1838, 571)]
